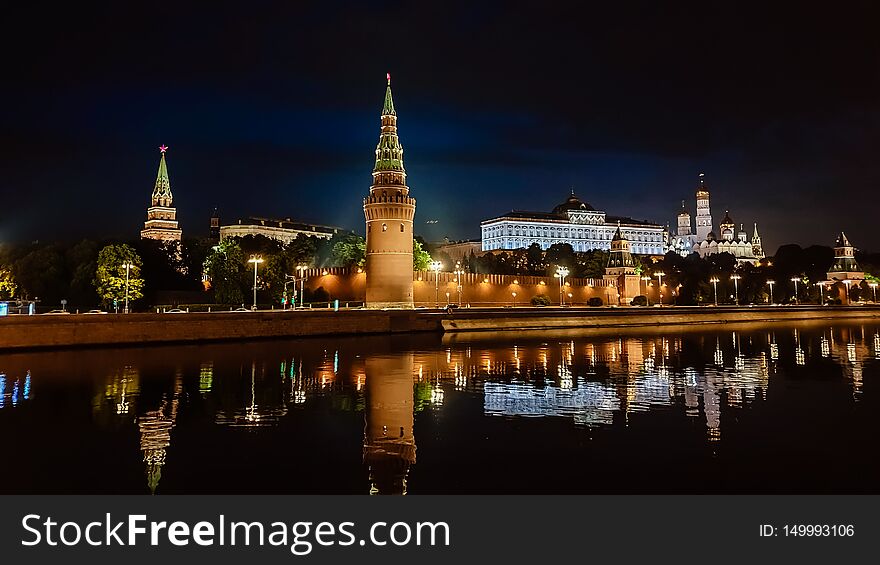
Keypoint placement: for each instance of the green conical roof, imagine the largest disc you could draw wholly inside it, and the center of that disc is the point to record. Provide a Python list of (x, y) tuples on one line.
[(389, 152), (388, 107), (162, 188)]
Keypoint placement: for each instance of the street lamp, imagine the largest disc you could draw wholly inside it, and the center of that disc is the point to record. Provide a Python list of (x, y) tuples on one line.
[(458, 273), (714, 281), (435, 266), (771, 282), (287, 280), (660, 275), (873, 286), (128, 265), (561, 272), (646, 278), (796, 280), (735, 278), (514, 299), (822, 292), (847, 282), (256, 260), (447, 299), (302, 284)]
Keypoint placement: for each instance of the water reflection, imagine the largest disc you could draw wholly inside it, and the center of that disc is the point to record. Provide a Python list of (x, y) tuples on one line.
[(293, 400)]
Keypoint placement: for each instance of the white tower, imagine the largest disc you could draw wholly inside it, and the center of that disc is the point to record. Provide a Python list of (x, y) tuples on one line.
[(704, 214), (684, 222)]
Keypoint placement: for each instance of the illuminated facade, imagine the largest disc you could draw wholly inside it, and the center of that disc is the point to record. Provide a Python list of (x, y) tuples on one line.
[(285, 230), (574, 222), (161, 221), (389, 212), (845, 266)]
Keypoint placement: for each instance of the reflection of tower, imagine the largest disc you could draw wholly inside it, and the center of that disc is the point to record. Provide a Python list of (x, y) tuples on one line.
[(161, 221), (155, 428), (389, 444), (389, 212), (704, 214)]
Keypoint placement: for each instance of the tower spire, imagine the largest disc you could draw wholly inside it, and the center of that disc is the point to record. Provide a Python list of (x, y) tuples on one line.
[(388, 107), (162, 189)]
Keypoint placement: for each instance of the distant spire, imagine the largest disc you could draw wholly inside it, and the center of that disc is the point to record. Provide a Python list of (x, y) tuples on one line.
[(572, 190), (162, 189), (702, 179), (388, 107), (756, 236)]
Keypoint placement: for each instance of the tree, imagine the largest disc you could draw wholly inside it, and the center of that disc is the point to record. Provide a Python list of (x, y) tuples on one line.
[(110, 276), (224, 267), (421, 258), (7, 284), (349, 250)]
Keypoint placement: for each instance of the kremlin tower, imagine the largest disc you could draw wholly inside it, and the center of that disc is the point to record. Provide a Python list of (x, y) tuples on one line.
[(389, 212), (621, 268), (704, 214), (161, 221)]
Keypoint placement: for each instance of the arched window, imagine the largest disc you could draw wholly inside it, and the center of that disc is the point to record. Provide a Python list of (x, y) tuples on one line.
[(384, 227), (401, 228)]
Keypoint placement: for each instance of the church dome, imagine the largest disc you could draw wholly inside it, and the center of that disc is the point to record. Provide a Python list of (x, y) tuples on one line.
[(572, 203)]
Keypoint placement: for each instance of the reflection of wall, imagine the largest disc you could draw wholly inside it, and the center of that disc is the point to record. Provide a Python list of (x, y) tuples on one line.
[(389, 444)]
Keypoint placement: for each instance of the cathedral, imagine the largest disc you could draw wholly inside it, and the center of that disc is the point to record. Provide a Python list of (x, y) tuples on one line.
[(161, 221), (703, 241)]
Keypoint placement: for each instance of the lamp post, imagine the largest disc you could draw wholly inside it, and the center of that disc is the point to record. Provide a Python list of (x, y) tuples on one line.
[(660, 275), (514, 299), (128, 265), (796, 280), (256, 260), (302, 284), (714, 281), (822, 293), (435, 266), (873, 286), (287, 280), (647, 298), (561, 272), (771, 282), (458, 273), (847, 282), (447, 299), (735, 278)]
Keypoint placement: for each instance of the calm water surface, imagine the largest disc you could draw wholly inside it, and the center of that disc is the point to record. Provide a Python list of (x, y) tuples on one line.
[(778, 408)]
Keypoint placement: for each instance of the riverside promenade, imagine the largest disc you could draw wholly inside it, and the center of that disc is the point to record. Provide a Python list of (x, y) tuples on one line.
[(79, 330)]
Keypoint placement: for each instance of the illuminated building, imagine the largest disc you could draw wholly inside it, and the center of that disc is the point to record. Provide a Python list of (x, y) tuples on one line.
[(845, 266), (389, 212), (574, 222), (285, 230), (621, 268), (161, 221)]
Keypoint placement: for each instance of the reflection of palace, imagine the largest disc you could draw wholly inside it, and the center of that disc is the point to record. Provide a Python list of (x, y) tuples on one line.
[(389, 444)]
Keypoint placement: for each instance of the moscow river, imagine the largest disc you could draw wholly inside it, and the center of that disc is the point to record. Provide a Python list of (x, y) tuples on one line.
[(788, 408)]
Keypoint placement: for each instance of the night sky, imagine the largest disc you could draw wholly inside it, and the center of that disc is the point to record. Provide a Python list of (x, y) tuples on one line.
[(274, 111)]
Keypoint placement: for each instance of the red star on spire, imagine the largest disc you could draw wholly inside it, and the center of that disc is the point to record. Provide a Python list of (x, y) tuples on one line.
[(388, 76), (163, 148)]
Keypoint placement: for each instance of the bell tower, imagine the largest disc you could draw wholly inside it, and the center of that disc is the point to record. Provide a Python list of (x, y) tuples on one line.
[(389, 212), (704, 214)]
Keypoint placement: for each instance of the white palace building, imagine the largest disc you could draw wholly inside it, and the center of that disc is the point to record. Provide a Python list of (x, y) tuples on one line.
[(574, 222)]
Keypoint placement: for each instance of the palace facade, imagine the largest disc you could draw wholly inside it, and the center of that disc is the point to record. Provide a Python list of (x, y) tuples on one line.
[(285, 230), (574, 222)]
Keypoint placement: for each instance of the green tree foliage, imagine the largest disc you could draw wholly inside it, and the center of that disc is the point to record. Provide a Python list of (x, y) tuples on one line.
[(7, 284), (110, 274), (350, 250), (421, 258), (225, 268)]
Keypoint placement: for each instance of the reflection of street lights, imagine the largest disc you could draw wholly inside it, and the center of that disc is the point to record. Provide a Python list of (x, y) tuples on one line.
[(714, 281), (646, 278), (735, 278), (873, 286), (796, 280), (771, 282), (561, 272), (660, 275), (256, 260), (302, 284), (128, 265), (435, 266)]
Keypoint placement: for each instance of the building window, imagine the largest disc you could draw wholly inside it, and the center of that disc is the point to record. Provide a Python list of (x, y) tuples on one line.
[(401, 228), (384, 227)]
